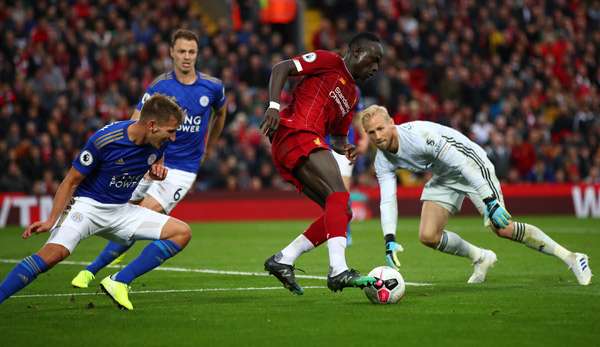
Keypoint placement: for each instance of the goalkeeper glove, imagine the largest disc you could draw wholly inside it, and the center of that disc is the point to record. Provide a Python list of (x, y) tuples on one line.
[(496, 213), (391, 250)]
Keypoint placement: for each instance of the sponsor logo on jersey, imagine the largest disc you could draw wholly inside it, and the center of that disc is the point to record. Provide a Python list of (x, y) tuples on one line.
[(86, 158), (125, 181), (151, 159), (309, 57), (340, 99), (204, 101), (190, 124)]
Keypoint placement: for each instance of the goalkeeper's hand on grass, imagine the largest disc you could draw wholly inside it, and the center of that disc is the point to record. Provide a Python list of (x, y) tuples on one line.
[(497, 214), (391, 251)]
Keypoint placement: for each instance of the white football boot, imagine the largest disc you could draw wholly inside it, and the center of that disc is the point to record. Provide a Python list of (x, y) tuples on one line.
[(482, 266), (580, 265)]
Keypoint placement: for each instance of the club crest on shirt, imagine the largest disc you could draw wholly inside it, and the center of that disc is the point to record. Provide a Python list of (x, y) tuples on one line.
[(86, 158), (204, 101), (151, 159), (309, 57), (317, 141)]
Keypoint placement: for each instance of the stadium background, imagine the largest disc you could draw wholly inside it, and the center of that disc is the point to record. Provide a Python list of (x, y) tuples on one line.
[(520, 77)]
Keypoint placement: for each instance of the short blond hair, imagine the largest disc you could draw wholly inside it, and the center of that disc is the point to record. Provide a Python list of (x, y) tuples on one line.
[(368, 113), (161, 108)]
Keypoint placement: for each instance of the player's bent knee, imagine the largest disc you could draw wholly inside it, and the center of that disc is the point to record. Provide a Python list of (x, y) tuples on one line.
[(177, 231), (503, 232), (53, 253), (429, 238), (186, 233), (429, 242)]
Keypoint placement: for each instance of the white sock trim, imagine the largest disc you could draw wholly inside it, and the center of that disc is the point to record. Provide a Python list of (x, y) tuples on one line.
[(337, 255), (291, 252)]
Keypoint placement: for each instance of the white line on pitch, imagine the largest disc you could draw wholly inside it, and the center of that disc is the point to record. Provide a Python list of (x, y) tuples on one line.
[(205, 271), (162, 291)]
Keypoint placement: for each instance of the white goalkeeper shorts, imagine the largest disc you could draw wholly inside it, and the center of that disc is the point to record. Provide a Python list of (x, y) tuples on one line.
[(121, 223), (450, 191), (168, 192), (343, 163)]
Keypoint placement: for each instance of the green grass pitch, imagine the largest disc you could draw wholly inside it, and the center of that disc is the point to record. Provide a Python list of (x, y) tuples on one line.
[(528, 299)]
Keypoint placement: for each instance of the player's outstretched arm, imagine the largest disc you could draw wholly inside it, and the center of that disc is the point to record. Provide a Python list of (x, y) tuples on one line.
[(279, 75), (474, 174), (63, 195), (462, 161), (388, 207), (391, 251), (217, 123)]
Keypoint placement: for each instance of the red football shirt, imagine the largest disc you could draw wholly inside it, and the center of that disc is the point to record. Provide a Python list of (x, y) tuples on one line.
[(323, 101)]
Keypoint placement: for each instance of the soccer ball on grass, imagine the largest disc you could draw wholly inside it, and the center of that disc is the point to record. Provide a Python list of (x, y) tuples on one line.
[(389, 288)]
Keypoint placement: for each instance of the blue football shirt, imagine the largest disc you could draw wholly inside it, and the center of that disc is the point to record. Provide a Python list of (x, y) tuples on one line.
[(198, 100), (113, 165)]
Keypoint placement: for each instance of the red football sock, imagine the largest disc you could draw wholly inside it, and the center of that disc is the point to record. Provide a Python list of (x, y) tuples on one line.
[(316, 231), (337, 215)]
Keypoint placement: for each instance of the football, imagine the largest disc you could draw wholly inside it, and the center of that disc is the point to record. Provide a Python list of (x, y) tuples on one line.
[(389, 288)]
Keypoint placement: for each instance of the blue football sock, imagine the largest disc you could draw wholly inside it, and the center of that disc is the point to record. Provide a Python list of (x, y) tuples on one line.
[(111, 252), (348, 236), (21, 275), (152, 256), (348, 231)]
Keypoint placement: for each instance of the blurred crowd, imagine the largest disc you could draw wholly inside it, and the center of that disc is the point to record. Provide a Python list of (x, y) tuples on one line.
[(520, 77)]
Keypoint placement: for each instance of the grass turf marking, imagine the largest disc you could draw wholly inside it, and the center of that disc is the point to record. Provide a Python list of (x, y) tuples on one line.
[(196, 290), (205, 271)]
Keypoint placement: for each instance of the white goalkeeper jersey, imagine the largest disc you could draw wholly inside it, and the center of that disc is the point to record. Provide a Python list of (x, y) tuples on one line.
[(427, 146)]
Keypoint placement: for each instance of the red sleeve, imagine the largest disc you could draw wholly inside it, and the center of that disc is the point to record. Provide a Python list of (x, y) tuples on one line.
[(316, 62), (342, 128)]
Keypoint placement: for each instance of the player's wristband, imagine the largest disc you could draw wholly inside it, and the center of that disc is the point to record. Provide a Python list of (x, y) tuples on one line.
[(489, 199), (274, 105)]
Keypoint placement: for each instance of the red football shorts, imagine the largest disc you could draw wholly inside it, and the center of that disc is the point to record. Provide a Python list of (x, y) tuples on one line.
[(290, 147)]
